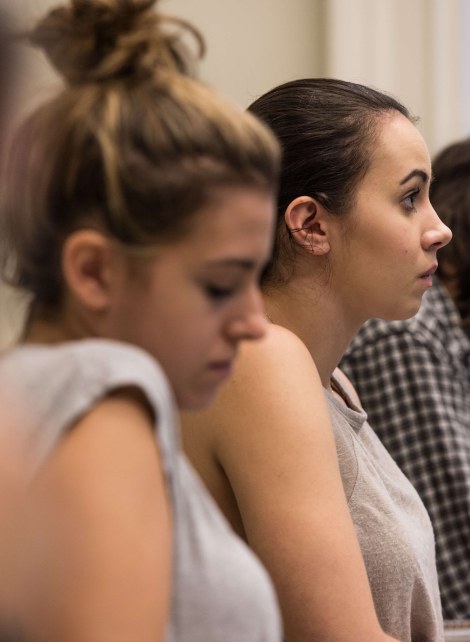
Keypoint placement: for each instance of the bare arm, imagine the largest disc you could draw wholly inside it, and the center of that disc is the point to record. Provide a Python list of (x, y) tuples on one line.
[(101, 533), (270, 432)]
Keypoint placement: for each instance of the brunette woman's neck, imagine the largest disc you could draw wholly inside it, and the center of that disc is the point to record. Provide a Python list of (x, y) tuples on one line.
[(316, 318)]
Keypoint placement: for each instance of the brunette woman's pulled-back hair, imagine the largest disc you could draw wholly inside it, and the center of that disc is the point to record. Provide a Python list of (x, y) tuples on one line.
[(133, 145), (327, 129), (450, 197)]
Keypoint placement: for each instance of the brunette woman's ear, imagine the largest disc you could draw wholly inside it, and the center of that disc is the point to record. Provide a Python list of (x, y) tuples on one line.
[(306, 220), (87, 266)]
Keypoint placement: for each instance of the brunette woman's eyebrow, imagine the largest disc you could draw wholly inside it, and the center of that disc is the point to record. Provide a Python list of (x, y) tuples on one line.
[(416, 172)]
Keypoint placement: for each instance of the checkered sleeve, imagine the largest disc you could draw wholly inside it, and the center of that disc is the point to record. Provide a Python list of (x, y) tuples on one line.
[(420, 410)]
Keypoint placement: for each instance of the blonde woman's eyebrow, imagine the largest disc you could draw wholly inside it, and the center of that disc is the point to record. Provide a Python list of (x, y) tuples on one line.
[(245, 264)]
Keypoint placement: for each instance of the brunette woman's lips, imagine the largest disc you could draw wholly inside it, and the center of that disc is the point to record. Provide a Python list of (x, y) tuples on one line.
[(426, 277)]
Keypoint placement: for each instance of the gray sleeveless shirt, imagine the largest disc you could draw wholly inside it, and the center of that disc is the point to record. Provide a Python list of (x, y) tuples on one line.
[(220, 590), (393, 528)]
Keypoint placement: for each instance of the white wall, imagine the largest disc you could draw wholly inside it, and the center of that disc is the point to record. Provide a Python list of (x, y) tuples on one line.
[(464, 42), (410, 48)]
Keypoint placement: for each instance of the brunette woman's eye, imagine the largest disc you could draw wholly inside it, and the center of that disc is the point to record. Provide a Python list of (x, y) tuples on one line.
[(409, 201)]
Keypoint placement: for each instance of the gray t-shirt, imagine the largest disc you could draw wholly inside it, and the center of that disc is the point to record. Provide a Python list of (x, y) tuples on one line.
[(393, 528), (220, 590)]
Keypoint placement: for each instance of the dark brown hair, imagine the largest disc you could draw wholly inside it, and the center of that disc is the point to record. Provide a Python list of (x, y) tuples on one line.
[(132, 145), (450, 197), (326, 128)]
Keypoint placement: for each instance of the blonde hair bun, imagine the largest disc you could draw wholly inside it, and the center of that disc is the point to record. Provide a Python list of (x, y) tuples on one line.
[(99, 40)]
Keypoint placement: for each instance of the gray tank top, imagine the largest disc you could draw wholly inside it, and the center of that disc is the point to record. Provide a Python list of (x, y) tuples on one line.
[(393, 528), (220, 590)]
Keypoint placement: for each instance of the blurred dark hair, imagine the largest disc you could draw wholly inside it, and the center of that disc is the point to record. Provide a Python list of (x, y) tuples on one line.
[(327, 129), (450, 196), (7, 72)]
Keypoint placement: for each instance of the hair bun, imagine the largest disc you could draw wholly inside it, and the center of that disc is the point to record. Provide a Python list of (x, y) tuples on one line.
[(98, 40)]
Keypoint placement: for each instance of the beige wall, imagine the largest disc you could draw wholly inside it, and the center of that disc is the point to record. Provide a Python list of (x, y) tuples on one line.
[(411, 48), (254, 45)]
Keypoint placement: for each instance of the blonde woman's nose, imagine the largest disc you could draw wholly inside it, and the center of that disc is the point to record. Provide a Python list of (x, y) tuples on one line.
[(250, 323)]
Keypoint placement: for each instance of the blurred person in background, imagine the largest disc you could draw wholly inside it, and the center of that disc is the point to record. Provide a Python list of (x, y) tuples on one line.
[(13, 467)]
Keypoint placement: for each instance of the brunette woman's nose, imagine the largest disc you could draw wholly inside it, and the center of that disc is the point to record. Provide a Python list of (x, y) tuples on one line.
[(437, 235)]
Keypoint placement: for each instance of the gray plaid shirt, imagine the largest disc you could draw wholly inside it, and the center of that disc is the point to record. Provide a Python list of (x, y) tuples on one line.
[(413, 379)]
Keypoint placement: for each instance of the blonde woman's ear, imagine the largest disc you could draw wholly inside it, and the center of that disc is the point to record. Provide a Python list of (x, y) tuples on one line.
[(88, 259), (306, 221)]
